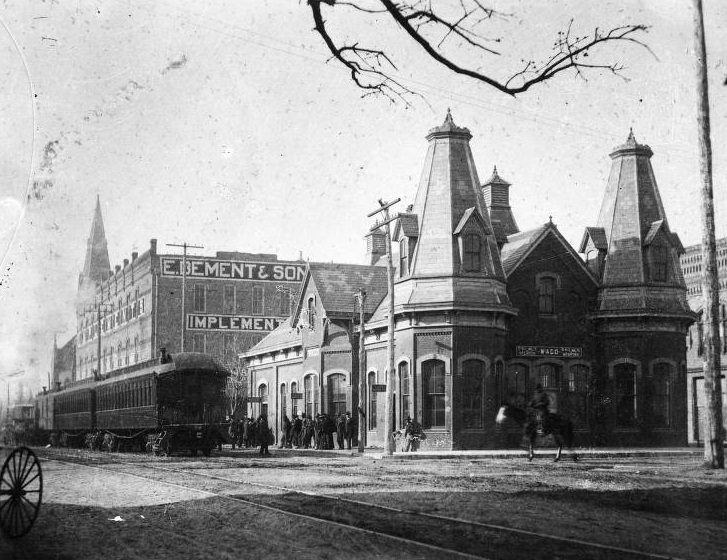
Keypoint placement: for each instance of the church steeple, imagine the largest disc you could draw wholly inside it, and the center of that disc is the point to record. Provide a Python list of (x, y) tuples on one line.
[(97, 264)]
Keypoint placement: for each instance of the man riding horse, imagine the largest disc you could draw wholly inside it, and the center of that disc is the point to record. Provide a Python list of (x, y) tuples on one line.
[(540, 404)]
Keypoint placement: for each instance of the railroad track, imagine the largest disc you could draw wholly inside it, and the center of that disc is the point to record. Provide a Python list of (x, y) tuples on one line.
[(439, 535)]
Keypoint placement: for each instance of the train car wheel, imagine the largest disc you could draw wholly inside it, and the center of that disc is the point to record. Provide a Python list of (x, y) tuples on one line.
[(21, 491)]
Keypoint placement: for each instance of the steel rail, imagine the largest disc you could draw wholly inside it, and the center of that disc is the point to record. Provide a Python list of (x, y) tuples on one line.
[(490, 526), (420, 544)]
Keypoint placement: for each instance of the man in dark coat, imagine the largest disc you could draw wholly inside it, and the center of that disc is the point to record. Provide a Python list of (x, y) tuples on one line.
[(307, 431), (297, 432), (340, 429), (263, 434), (285, 436), (351, 427)]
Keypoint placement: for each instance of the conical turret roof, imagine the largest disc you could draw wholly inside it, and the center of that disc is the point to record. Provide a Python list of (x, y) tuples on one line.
[(641, 269), (453, 259)]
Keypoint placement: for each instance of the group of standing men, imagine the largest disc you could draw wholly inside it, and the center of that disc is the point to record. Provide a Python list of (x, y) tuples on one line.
[(306, 432)]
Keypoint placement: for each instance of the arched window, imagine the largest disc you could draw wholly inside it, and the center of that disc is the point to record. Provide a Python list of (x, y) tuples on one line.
[(549, 376), (128, 348), (136, 349), (105, 364), (516, 382), (660, 389), (499, 374), (546, 295), (311, 312), (577, 397), (372, 401), (336, 394), (405, 391), (473, 394), (624, 378), (311, 400), (262, 392), (119, 355), (403, 256), (283, 401), (293, 400), (433, 393), (472, 250)]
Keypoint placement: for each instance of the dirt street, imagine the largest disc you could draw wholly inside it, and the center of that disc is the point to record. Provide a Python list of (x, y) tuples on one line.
[(99, 505)]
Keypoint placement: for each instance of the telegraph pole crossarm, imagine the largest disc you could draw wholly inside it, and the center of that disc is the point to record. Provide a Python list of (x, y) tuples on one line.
[(391, 376), (184, 246)]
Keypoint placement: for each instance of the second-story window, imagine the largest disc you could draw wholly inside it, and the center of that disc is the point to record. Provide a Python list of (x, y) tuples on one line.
[(258, 300), (546, 295), (472, 249), (228, 299), (200, 299)]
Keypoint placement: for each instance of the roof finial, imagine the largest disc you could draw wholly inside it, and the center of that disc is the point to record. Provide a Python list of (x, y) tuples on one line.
[(448, 118), (631, 138)]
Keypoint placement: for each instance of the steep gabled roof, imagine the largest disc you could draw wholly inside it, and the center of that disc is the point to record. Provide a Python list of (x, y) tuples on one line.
[(518, 246), (521, 245), (408, 224), (337, 283), (282, 337), (468, 214), (597, 235)]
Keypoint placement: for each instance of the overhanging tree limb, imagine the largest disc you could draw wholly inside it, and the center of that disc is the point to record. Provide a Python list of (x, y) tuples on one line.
[(371, 68)]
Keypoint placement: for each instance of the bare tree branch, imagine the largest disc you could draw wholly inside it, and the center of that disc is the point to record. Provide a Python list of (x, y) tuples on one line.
[(371, 67)]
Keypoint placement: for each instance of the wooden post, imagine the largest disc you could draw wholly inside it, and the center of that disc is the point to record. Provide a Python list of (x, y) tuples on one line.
[(714, 431), (184, 283), (391, 376), (361, 373)]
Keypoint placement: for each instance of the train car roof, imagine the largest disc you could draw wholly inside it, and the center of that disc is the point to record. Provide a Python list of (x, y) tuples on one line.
[(182, 361)]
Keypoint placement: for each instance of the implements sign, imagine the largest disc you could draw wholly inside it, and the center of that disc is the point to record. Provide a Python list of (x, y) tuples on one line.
[(233, 270), (549, 351), (197, 322)]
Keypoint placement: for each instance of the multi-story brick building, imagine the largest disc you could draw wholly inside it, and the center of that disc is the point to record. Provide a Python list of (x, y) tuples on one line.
[(483, 313), (222, 305), (691, 262)]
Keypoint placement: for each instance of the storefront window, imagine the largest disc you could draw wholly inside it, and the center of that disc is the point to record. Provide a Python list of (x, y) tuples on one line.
[(433, 389)]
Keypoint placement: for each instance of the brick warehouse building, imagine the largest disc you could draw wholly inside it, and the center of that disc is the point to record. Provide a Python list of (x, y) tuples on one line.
[(691, 262), (484, 312), (232, 300)]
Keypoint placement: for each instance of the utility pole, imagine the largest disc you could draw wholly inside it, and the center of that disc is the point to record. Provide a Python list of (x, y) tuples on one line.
[(361, 299), (391, 377), (98, 309), (714, 432), (185, 246)]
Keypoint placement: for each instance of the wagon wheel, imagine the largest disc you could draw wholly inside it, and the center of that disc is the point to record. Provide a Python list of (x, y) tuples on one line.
[(21, 490)]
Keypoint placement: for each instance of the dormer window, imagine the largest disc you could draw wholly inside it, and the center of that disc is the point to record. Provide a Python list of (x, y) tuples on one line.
[(403, 257), (472, 250), (658, 263)]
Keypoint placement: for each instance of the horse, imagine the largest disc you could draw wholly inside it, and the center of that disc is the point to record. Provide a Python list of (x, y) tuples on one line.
[(560, 427)]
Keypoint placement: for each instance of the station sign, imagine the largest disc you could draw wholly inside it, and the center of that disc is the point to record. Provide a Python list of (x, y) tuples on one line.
[(254, 399), (378, 388), (204, 322), (296, 396), (220, 269), (549, 351)]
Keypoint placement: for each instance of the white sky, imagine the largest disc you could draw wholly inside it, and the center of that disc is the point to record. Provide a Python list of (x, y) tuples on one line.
[(221, 124)]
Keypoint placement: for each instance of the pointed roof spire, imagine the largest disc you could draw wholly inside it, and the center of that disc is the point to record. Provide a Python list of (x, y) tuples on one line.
[(495, 178), (97, 264), (449, 129)]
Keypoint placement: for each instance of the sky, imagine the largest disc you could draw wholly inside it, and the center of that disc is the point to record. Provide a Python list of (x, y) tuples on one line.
[(224, 124)]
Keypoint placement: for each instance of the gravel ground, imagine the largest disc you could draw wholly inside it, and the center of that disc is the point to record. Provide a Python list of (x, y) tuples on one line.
[(666, 506)]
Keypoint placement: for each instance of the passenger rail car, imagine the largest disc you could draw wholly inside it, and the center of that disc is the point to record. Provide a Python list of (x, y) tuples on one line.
[(170, 406)]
